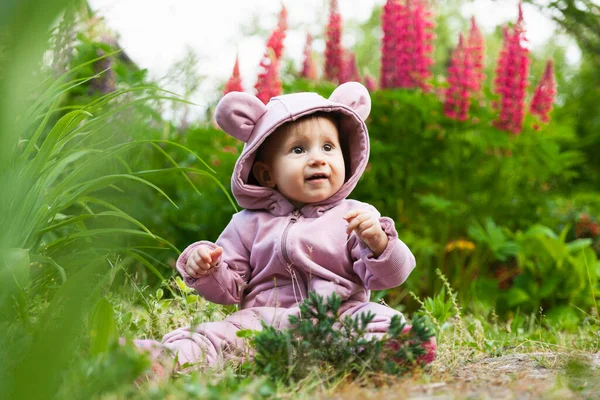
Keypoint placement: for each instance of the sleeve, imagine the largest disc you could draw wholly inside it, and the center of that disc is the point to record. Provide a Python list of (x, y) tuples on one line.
[(391, 268), (226, 284)]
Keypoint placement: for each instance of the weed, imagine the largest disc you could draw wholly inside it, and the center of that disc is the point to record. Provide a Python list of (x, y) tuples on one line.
[(318, 339)]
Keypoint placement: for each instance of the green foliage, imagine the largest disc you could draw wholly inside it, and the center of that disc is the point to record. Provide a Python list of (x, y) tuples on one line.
[(437, 178), (44, 347), (537, 268), (142, 313), (320, 340), (438, 307), (207, 213), (72, 162), (224, 383), (103, 329), (553, 272), (578, 18)]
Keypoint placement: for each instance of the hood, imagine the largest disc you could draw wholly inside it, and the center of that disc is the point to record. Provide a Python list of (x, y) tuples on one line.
[(246, 118)]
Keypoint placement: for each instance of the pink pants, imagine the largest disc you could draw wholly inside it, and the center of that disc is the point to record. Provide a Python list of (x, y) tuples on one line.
[(212, 342)]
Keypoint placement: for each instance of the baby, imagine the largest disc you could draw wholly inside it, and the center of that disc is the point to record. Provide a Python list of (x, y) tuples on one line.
[(303, 155)]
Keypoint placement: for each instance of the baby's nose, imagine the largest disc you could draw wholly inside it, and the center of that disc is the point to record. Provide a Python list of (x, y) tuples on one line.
[(317, 159)]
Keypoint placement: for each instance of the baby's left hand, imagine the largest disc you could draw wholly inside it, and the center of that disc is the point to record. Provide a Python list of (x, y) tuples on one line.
[(368, 229)]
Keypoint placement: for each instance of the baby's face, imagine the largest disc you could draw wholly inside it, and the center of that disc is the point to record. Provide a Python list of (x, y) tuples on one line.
[(306, 164)]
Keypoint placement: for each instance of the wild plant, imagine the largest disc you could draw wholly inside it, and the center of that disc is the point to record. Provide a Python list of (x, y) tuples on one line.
[(64, 236), (320, 340)]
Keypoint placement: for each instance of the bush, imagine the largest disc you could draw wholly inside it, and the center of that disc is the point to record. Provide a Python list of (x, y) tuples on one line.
[(319, 341)]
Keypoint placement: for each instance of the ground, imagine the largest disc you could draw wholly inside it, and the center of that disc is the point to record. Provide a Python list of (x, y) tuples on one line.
[(513, 376)]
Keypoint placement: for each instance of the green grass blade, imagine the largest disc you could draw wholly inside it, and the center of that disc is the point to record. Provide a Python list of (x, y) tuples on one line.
[(182, 147), (117, 214), (104, 181), (147, 264), (105, 231), (47, 260), (59, 130), (193, 170), (168, 157)]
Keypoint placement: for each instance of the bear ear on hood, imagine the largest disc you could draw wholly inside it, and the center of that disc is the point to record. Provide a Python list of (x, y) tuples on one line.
[(355, 96), (237, 113)]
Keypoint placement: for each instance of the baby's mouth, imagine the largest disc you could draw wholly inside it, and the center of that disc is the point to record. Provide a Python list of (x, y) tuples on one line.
[(317, 177)]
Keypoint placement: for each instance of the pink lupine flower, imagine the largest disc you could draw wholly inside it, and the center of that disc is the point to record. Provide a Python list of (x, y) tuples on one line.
[(389, 21), (407, 44), (343, 75), (423, 55), (476, 51), (349, 69), (268, 84), (309, 68), (275, 41), (511, 78), (405, 47), (282, 19), (333, 44), (456, 104), (234, 84), (543, 98), (370, 83)]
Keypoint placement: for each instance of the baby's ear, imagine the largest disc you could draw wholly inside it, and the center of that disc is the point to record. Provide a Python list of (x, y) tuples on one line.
[(355, 96), (262, 173), (237, 113)]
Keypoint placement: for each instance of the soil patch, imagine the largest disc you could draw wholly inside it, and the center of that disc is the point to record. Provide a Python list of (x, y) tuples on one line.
[(514, 376)]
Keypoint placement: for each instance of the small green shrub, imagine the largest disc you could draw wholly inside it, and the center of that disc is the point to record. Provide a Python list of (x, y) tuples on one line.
[(319, 340)]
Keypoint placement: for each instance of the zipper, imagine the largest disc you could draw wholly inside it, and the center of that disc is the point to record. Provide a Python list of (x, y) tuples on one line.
[(285, 234), (293, 220)]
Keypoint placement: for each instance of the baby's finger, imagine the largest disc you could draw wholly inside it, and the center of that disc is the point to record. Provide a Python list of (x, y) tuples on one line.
[(359, 219), (364, 225), (192, 270), (196, 258), (215, 254), (204, 253), (370, 233), (351, 214), (204, 266), (354, 223)]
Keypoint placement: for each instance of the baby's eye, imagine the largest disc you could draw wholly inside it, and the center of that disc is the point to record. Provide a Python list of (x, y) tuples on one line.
[(297, 150), (328, 147)]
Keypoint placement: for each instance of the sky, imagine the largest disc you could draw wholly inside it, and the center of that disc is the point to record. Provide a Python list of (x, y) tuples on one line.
[(157, 33)]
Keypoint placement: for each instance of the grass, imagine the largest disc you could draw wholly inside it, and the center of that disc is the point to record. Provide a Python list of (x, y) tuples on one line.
[(478, 356)]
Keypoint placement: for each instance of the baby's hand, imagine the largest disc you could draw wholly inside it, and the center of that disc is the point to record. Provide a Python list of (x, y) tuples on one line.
[(368, 229), (202, 261)]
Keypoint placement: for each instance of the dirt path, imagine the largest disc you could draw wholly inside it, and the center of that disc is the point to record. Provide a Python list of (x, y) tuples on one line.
[(515, 376)]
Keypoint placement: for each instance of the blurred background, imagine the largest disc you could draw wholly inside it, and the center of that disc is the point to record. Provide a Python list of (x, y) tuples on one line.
[(485, 133)]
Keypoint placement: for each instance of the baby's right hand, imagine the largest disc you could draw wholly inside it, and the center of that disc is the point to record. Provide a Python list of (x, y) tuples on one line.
[(202, 261)]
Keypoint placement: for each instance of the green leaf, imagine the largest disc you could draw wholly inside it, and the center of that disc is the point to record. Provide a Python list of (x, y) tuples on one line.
[(47, 260), (516, 296), (579, 244), (103, 328), (181, 285), (17, 263), (549, 285), (541, 230), (245, 333), (106, 231)]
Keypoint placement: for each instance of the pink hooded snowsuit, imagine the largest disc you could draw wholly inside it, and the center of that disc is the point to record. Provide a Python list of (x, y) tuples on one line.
[(273, 254)]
